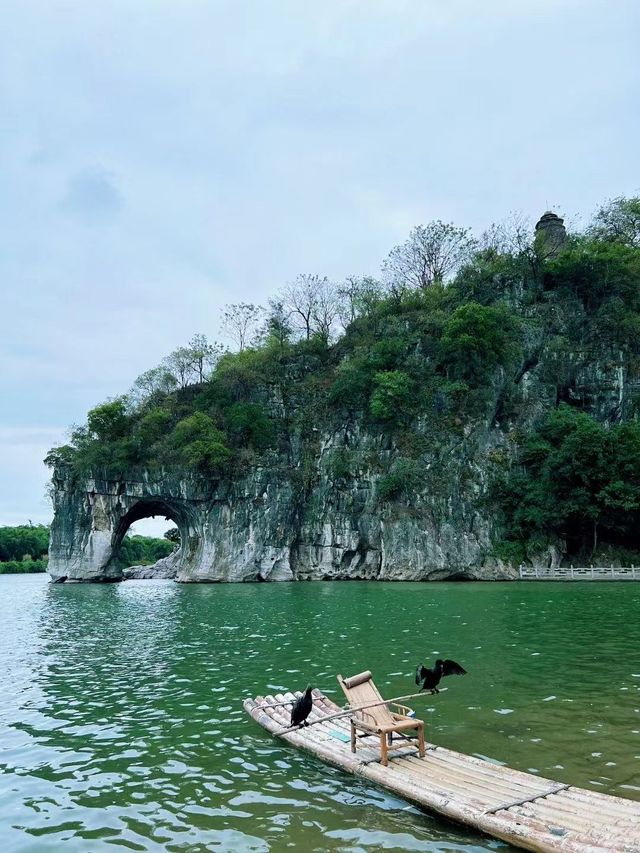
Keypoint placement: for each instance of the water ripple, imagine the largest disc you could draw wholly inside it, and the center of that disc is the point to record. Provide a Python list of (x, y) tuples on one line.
[(121, 722)]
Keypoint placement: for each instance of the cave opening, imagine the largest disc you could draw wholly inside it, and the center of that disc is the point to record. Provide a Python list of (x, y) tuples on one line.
[(146, 550)]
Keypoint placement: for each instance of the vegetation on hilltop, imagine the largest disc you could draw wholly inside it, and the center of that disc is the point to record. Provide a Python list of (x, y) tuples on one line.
[(436, 349)]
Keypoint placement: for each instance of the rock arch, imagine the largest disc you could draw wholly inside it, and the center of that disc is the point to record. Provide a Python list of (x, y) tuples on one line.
[(150, 507), (227, 533)]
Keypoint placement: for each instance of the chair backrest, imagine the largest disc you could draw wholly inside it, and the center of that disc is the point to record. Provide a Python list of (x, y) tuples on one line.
[(360, 690)]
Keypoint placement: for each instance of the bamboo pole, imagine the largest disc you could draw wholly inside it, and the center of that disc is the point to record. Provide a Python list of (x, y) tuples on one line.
[(349, 711)]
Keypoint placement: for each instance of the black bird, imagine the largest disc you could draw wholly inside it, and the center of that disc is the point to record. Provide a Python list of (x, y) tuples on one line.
[(302, 708), (428, 679)]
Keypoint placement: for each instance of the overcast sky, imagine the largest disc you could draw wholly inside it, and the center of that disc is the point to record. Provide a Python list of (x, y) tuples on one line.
[(160, 159)]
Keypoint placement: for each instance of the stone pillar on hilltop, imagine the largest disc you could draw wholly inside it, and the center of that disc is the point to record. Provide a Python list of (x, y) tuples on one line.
[(550, 234)]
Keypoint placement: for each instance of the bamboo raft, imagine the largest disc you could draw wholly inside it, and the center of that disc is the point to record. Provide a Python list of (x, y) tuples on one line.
[(525, 810)]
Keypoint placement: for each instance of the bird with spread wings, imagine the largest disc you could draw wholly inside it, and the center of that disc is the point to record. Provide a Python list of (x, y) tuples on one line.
[(428, 679)]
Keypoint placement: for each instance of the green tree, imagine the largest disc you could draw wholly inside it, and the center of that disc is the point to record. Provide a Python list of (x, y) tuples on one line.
[(476, 339), (25, 540), (198, 443), (577, 479), (618, 221), (109, 421), (594, 272), (249, 425)]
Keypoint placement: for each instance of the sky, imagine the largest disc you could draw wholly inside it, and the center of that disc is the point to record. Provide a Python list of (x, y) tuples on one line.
[(159, 160)]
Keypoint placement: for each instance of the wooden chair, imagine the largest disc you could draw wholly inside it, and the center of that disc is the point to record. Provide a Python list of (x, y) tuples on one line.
[(381, 721)]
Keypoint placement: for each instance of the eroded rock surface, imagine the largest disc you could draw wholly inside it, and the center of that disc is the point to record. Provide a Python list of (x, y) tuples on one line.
[(319, 512)]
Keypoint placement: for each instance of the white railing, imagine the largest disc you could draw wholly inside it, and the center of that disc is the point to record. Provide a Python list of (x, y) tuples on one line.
[(581, 573)]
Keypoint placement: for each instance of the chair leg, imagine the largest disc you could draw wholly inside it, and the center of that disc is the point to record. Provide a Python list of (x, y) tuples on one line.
[(421, 748), (390, 738), (353, 736), (383, 750)]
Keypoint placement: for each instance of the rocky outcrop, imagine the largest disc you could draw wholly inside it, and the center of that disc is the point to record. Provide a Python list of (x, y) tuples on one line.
[(164, 569), (319, 510), (273, 524)]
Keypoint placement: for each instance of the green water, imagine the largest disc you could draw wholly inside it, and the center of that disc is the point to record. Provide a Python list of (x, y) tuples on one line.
[(121, 723)]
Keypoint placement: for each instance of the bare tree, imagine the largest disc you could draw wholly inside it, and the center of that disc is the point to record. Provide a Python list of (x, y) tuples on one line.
[(299, 300), (179, 364), (240, 321), (327, 309), (184, 366), (312, 305), (432, 254), (514, 235)]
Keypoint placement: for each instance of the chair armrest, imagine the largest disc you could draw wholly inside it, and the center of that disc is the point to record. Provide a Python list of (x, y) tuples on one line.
[(360, 715), (401, 709)]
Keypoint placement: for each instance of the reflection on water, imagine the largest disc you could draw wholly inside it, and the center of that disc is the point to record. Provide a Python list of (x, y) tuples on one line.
[(121, 720)]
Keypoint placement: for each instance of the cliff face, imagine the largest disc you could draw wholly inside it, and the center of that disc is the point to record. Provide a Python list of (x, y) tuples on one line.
[(299, 519), (262, 527)]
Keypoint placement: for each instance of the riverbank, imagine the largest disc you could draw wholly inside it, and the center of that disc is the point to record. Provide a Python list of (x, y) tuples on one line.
[(22, 567)]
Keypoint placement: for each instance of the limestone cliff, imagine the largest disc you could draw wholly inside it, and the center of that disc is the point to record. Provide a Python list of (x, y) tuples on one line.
[(275, 524), (373, 457)]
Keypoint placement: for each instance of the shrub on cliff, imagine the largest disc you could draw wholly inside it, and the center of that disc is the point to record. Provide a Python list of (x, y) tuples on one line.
[(392, 396), (595, 272), (249, 425), (476, 339), (198, 443), (403, 480)]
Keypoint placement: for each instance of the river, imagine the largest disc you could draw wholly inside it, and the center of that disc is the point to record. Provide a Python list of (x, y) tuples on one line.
[(121, 721)]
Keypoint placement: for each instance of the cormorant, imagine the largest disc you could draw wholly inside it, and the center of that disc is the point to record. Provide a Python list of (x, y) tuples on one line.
[(428, 679), (302, 708)]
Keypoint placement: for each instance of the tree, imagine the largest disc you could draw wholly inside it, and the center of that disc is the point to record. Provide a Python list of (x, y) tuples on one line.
[(179, 364), (430, 256), (109, 421), (512, 236), (249, 425), (299, 300), (173, 535), (156, 380), (578, 479), (204, 356), (327, 309), (476, 339), (199, 443), (312, 304), (357, 296), (240, 321), (277, 328), (595, 272), (618, 221), (25, 541)]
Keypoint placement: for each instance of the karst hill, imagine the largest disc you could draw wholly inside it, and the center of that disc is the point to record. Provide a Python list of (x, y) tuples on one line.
[(475, 409)]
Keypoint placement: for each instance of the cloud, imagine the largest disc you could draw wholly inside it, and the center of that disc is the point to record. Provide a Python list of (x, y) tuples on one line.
[(160, 160), (92, 195)]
